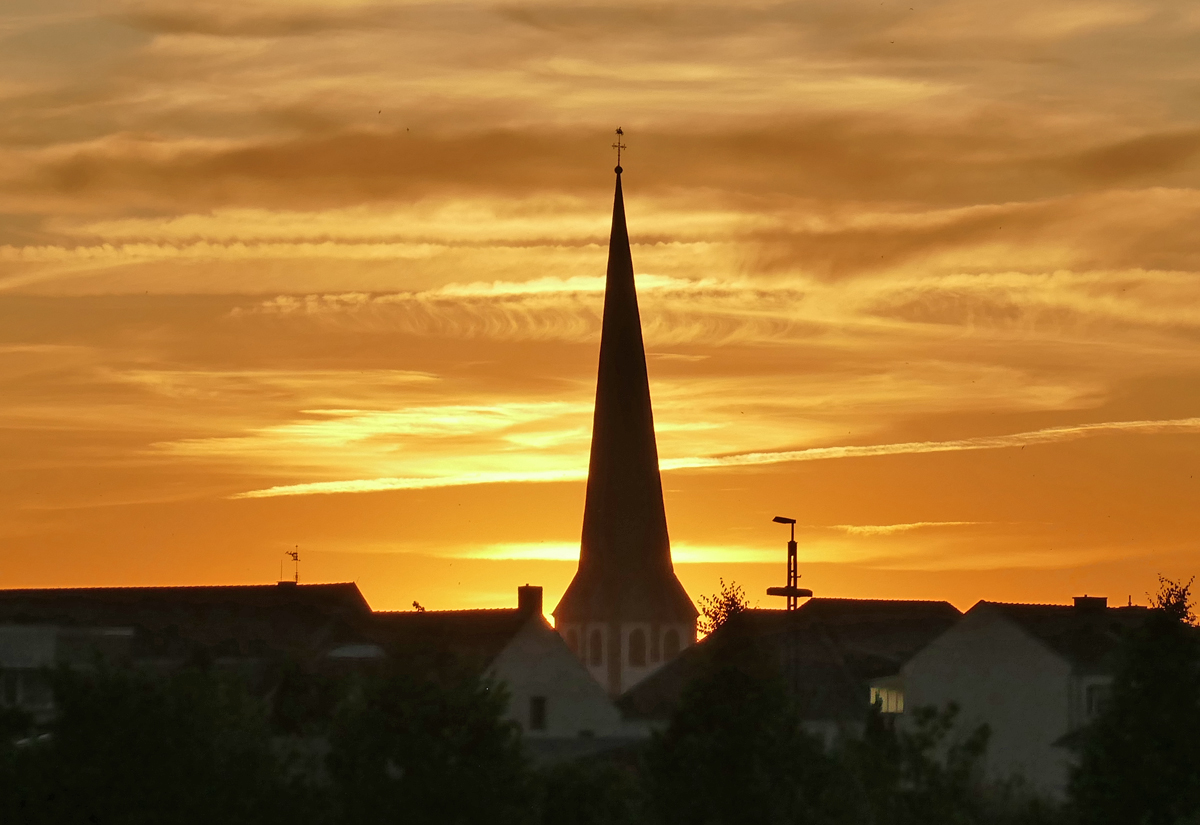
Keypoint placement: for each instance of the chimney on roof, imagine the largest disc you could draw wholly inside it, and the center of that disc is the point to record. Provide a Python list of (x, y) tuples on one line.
[(1091, 602), (529, 599)]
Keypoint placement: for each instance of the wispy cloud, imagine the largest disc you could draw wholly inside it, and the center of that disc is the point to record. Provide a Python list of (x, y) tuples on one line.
[(681, 552), (890, 529), (1049, 435)]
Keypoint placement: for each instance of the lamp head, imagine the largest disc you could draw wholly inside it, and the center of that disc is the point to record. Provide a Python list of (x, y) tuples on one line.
[(783, 520)]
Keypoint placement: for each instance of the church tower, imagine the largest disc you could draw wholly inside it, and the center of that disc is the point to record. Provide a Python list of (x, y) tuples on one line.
[(625, 614)]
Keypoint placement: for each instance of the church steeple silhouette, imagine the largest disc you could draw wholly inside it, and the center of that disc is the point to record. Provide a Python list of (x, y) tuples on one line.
[(625, 612)]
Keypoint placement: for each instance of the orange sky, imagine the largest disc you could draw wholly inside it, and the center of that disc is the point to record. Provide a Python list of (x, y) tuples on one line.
[(925, 277)]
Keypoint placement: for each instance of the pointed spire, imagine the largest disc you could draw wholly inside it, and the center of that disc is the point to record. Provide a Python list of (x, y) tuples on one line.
[(625, 570)]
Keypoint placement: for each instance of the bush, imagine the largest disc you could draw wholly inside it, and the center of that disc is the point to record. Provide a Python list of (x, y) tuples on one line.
[(129, 748), (410, 746)]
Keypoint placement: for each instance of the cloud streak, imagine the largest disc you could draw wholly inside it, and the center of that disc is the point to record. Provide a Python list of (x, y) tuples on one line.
[(1049, 435), (891, 529)]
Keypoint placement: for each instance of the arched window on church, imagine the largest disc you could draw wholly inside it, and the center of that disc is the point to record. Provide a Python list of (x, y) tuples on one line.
[(637, 648), (573, 640), (595, 648), (670, 644)]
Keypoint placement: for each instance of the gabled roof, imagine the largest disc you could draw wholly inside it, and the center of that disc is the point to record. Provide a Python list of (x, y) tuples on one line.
[(338, 597), (1087, 637), (827, 650), (474, 636), (235, 619)]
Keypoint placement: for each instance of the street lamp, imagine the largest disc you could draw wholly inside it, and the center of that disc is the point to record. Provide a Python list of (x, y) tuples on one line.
[(792, 592)]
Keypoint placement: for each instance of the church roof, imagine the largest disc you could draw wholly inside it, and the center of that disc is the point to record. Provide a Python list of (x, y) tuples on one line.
[(625, 565), (827, 650)]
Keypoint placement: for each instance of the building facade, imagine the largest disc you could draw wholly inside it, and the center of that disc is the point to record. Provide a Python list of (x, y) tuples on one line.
[(550, 693), (1035, 674)]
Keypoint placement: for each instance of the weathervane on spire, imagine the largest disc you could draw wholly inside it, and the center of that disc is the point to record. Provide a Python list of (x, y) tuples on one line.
[(619, 146)]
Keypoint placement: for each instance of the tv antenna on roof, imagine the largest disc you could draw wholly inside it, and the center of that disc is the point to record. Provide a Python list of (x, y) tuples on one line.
[(294, 555)]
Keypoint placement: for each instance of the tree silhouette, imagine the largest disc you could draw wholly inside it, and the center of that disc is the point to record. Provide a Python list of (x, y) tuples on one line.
[(130, 748), (720, 607), (917, 774), (414, 746), (735, 751), (1140, 762)]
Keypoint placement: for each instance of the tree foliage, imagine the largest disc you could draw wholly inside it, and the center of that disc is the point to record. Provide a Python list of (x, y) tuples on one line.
[(720, 607), (130, 748), (1140, 762), (591, 792), (923, 773), (201, 746), (414, 747), (735, 752)]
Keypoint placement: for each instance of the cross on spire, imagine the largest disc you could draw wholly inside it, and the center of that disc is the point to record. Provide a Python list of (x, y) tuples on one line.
[(619, 146)]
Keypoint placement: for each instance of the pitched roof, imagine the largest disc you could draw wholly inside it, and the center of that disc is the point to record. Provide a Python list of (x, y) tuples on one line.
[(172, 620), (1087, 637), (827, 650), (474, 636)]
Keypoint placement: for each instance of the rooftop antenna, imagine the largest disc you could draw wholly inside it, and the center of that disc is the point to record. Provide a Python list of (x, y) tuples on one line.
[(792, 591), (619, 146), (295, 554)]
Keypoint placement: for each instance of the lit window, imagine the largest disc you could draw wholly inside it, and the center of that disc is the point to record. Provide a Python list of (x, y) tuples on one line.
[(537, 712), (637, 648), (595, 648), (670, 644), (888, 700)]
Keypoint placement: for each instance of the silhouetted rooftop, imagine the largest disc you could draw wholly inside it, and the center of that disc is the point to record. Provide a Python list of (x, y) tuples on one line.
[(1087, 637), (476, 636), (827, 651), (227, 620)]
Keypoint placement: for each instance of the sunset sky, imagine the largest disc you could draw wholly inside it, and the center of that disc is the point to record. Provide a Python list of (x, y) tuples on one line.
[(923, 275)]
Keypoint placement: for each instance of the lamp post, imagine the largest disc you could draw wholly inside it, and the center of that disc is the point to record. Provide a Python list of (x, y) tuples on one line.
[(791, 591)]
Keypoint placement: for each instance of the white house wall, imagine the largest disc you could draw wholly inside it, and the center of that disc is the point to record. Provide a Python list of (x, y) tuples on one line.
[(1001, 676), (537, 662)]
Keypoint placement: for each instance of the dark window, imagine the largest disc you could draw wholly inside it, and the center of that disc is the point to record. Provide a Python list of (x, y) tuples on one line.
[(637, 648), (537, 712), (596, 648), (670, 644), (573, 641)]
